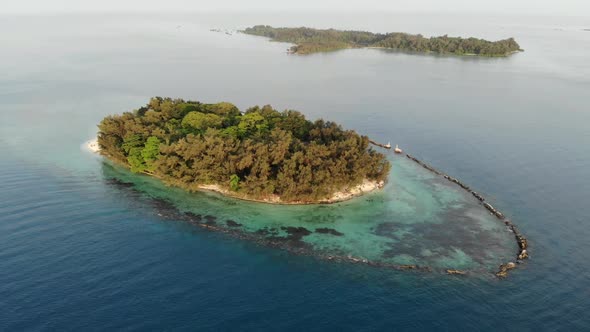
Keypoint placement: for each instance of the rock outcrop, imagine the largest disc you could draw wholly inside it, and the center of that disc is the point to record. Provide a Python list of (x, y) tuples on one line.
[(503, 270)]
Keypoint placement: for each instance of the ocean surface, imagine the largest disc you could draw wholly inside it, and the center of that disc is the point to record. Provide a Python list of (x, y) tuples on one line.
[(85, 245)]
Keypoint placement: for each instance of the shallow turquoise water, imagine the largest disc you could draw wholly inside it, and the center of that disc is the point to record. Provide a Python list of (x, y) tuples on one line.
[(418, 218)]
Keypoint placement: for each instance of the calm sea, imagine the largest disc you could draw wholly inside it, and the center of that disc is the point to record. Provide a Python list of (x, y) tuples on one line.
[(81, 252)]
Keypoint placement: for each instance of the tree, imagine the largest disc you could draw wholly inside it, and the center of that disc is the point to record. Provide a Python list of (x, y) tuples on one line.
[(296, 123), (135, 160), (224, 109), (251, 124), (234, 182), (199, 122), (150, 152), (132, 141)]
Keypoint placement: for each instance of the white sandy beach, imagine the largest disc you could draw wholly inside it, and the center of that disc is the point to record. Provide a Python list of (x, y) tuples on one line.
[(92, 145), (363, 188), (339, 196)]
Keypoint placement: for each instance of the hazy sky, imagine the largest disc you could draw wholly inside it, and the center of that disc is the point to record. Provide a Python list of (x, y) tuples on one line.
[(558, 7)]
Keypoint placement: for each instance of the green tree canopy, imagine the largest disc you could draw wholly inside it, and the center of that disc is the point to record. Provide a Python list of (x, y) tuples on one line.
[(252, 123), (308, 40), (259, 153), (200, 121), (151, 152)]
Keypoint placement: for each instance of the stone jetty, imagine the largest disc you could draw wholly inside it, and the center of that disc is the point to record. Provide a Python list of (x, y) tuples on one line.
[(385, 146), (522, 253)]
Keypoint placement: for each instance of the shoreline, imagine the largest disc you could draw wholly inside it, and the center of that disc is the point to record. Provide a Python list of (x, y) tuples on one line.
[(442, 54), (398, 50), (450, 54), (337, 197), (365, 187)]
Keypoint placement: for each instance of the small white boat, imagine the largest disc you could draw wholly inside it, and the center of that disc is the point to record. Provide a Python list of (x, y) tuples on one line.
[(397, 149), (388, 145)]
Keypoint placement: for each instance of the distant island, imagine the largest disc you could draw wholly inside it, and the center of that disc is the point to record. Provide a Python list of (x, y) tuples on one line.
[(261, 154), (308, 40)]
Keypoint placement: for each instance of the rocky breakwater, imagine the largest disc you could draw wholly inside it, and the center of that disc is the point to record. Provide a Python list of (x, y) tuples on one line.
[(385, 146), (522, 253)]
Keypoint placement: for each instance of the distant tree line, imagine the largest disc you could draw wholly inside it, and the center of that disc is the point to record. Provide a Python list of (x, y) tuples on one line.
[(258, 153), (308, 40)]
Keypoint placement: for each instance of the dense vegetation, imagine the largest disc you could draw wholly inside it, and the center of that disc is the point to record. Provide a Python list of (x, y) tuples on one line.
[(308, 40), (257, 154)]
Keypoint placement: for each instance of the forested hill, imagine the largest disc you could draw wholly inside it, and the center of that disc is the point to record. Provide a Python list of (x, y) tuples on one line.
[(255, 154), (308, 40)]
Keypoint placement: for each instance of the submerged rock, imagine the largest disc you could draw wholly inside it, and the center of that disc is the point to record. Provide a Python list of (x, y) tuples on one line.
[(504, 268), (326, 230), (119, 183), (408, 267), (295, 234), (386, 229), (193, 217), (232, 223), (296, 231), (262, 231)]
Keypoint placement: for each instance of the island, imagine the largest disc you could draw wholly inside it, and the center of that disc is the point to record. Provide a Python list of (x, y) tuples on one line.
[(260, 154), (275, 157), (309, 40)]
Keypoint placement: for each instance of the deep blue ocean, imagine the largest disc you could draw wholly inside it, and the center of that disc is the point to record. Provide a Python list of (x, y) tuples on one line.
[(80, 253)]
